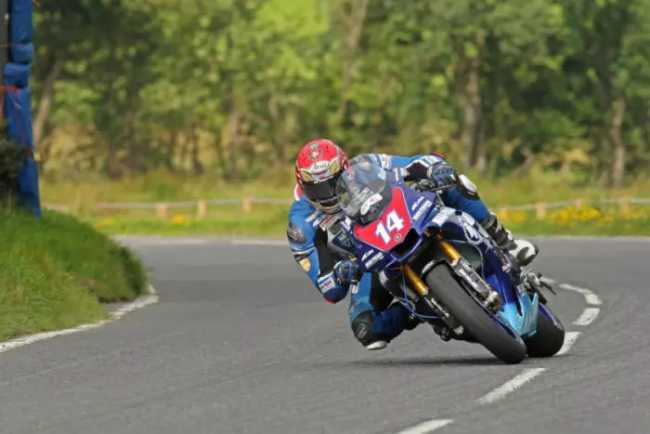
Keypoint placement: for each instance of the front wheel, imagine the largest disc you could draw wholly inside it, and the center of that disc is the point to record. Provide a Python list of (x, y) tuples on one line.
[(505, 344), (549, 338)]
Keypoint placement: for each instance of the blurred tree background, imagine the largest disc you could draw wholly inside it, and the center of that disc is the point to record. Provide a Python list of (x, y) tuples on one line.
[(234, 87)]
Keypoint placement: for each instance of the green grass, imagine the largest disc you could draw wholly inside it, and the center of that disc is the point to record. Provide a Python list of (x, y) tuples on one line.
[(269, 221), (57, 271), (81, 195), (615, 228)]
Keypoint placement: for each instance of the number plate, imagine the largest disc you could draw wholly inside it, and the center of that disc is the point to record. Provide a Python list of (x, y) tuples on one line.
[(390, 229)]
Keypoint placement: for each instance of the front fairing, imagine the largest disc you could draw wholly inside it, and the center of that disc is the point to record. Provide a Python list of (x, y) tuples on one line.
[(416, 210)]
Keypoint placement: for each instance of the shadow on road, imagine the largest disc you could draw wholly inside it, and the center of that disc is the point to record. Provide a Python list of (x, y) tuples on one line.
[(416, 362)]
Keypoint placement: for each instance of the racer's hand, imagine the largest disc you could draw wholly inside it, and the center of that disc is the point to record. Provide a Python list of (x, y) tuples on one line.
[(442, 175), (430, 177), (346, 272)]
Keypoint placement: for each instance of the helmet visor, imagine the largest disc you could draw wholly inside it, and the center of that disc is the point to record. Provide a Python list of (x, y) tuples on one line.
[(322, 193)]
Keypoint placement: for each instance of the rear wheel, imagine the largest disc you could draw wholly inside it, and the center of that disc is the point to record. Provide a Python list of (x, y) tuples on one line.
[(549, 337), (502, 342)]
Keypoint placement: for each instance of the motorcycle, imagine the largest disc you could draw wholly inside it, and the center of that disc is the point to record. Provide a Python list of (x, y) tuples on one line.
[(444, 268)]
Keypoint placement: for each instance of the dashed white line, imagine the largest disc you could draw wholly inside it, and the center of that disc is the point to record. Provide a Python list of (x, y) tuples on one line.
[(589, 295), (570, 338), (512, 385), (588, 316), (138, 303), (427, 427)]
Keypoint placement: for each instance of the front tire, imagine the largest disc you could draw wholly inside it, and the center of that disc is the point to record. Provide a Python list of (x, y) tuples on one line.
[(507, 346), (549, 337)]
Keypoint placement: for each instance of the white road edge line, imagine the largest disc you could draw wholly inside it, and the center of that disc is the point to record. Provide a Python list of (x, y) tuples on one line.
[(589, 295), (427, 427), (570, 338), (138, 303), (505, 389), (146, 241), (588, 316), (275, 243)]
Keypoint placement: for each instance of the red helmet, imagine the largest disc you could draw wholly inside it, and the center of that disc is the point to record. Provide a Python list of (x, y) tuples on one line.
[(318, 166)]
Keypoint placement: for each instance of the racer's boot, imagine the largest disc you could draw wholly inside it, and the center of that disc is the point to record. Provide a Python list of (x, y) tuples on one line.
[(523, 251)]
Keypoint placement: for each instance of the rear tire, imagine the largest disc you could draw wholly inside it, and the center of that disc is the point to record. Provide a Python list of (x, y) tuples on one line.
[(479, 323), (549, 337)]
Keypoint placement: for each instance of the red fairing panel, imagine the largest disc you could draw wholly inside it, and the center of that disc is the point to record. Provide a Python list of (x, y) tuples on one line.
[(390, 229)]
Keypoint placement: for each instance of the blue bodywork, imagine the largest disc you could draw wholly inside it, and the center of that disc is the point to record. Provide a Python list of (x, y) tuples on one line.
[(427, 212)]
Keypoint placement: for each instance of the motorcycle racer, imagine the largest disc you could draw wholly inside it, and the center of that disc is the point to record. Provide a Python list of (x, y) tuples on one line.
[(318, 234)]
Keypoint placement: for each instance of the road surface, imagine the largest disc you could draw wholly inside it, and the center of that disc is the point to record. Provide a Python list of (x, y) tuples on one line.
[(240, 344)]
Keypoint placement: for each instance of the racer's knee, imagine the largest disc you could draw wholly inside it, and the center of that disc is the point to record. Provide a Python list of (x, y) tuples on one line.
[(335, 295), (371, 326), (362, 327)]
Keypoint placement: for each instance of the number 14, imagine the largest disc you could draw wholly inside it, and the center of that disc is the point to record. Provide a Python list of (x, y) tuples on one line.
[(393, 223)]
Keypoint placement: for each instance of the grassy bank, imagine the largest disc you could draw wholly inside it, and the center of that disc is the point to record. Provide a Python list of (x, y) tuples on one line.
[(81, 195), (57, 271), (586, 220)]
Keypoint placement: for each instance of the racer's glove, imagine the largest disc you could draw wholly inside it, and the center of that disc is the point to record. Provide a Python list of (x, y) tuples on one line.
[(431, 177), (346, 272), (442, 175)]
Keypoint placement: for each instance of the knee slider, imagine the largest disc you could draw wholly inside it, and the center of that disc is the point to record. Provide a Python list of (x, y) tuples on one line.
[(362, 328)]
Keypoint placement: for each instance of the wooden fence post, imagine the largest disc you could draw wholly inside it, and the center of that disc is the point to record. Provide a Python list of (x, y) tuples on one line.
[(540, 210), (247, 205), (201, 209), (161, 210)]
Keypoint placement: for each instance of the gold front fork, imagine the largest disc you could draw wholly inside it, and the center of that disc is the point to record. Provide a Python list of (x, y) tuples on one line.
[(416, 282), (449, 250)]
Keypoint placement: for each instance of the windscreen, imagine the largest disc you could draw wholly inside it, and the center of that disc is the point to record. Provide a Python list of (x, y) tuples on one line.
[(363, 190)]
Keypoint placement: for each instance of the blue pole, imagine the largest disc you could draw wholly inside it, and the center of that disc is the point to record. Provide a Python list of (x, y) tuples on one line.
[(17, 99)]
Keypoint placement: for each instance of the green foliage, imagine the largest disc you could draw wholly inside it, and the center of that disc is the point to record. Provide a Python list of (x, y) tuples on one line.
[(59, 271), (236, 86)]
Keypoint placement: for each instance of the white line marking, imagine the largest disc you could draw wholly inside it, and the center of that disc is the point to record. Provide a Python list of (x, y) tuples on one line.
[(588, 316), (589, 295), (278, 243), (160, 241), (570, 338), (512, 385), (138, 303), (427, 427)]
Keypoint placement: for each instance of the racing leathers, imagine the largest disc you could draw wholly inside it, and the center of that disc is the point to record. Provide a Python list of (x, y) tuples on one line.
[(320, 244)]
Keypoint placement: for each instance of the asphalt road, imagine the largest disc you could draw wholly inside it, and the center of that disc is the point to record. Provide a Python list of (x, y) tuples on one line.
[(240, 344)]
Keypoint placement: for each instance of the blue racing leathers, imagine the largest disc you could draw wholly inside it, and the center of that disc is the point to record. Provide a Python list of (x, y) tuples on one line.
[(318, 241)]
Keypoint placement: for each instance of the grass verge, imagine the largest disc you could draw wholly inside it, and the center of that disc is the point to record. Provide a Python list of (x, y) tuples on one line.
[(271, 222), (81, 196), (57, 271)]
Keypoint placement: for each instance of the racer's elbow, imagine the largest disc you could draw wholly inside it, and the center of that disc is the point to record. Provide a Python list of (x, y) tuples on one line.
[(335, 294)]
